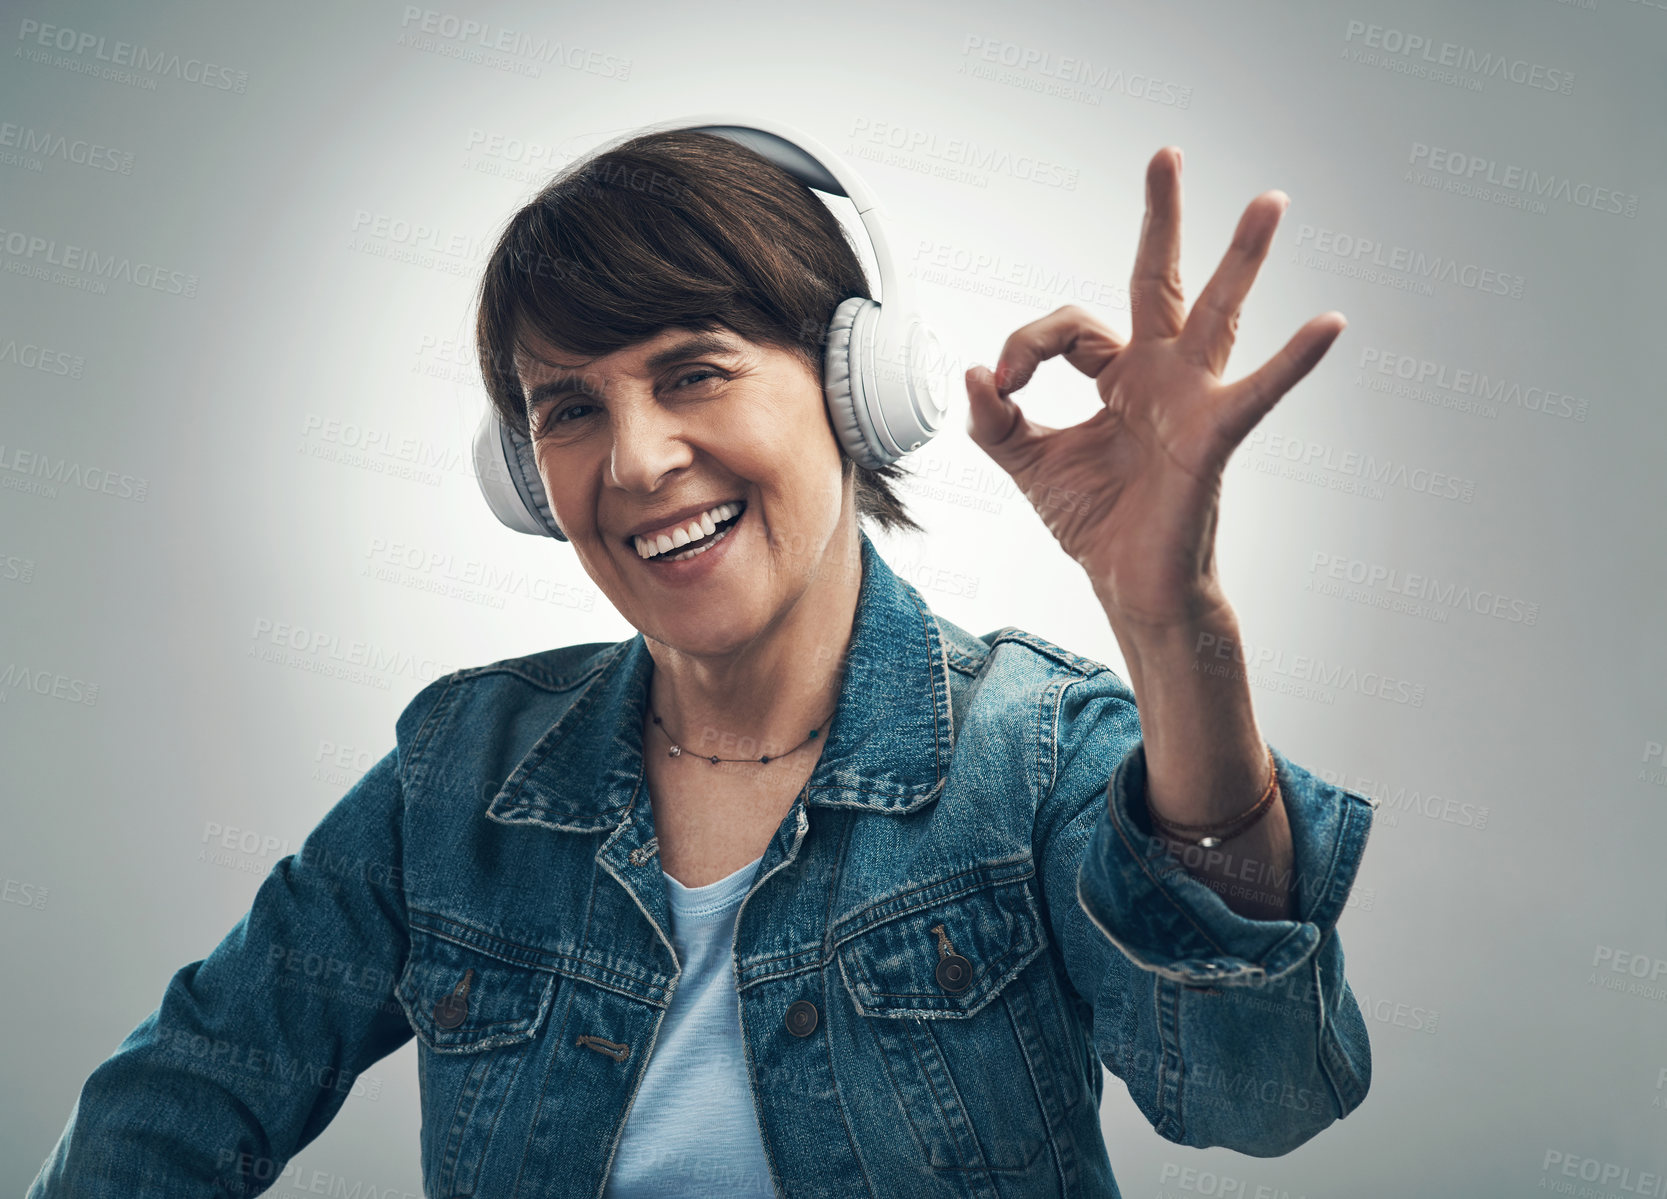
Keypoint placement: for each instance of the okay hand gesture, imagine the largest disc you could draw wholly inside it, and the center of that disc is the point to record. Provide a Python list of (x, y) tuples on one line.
[(1150, 459)]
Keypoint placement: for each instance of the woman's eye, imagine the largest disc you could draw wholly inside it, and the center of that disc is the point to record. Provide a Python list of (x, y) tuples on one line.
[(559, 413), (554, 416)]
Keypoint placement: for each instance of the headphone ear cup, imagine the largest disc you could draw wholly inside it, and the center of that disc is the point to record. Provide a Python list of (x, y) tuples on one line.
[(843, 383), (507, 472), (530, 485)]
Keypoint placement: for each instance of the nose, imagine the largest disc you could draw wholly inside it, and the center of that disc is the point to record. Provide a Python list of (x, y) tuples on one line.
[(647, 445)]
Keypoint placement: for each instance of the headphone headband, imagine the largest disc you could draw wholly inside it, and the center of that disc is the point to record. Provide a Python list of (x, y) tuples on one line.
[(814, 165)]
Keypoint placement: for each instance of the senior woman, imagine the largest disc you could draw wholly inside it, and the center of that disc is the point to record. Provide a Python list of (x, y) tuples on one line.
[(803, 889)]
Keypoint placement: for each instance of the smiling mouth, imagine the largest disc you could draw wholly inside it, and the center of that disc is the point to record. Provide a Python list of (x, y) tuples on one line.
[(687, 545)]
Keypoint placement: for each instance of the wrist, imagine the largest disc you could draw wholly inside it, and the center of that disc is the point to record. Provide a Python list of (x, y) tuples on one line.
[(1187, 642), (1206, 758), (1200, 605)]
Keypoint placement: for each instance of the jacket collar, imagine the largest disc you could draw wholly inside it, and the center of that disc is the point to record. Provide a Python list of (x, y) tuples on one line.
[(887, 749)]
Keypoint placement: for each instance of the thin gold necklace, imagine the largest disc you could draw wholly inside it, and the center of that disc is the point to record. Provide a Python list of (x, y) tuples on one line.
[(677, 751)]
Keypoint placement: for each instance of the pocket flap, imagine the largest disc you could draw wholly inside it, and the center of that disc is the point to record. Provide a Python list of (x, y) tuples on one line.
[(897, 967), (460, 999)]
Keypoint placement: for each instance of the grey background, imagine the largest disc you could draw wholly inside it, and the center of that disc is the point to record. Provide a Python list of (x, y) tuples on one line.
[(1479, 945)]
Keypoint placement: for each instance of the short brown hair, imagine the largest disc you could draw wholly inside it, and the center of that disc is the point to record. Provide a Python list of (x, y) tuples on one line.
[(673, 228)]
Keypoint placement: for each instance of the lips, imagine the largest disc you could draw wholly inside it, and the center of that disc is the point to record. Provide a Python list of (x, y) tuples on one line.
[(680, 518), (693, 531)]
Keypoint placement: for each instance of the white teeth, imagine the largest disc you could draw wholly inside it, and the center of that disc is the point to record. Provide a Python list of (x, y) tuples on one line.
[(702, 526)]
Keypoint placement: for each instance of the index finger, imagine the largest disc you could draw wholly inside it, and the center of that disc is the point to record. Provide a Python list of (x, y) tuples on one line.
[(1087, 343)]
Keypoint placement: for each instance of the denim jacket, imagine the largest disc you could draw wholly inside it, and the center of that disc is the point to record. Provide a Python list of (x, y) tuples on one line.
[(960, 920)]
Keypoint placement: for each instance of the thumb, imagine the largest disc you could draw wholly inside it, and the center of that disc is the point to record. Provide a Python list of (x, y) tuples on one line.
[(995, 422)]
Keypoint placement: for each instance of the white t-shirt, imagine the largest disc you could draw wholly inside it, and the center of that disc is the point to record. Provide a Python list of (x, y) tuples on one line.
[(692, 1130)]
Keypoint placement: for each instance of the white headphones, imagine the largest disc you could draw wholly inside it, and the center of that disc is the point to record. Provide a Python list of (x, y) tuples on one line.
[(882, 372)]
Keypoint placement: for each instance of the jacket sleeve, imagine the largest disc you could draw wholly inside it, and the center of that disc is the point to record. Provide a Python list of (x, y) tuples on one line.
[(1228, 1031), (254, 1049)]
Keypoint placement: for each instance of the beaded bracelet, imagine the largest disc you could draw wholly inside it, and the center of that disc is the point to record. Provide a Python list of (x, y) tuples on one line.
[(1208, 836)]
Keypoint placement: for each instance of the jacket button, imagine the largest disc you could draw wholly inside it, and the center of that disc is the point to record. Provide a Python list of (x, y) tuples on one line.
[(954, 972), (451, 1011), (801, 1018)]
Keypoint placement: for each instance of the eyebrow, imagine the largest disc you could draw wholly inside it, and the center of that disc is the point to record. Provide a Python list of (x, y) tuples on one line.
[(688, 347)]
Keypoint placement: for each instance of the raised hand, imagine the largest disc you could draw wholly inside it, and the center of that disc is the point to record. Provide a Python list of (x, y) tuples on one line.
[(1150, 460)]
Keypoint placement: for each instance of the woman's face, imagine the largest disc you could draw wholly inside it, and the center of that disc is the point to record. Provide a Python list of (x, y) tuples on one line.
[(652, 436)]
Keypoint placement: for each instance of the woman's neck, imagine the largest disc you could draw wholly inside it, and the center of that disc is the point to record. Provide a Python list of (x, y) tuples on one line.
[(766, 696)]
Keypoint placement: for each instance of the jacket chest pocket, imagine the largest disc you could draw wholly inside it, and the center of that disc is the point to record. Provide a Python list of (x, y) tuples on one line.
[(942, 993), (476, 1017)]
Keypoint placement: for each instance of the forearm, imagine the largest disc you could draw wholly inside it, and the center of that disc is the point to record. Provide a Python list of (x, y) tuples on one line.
[(1205, 757)]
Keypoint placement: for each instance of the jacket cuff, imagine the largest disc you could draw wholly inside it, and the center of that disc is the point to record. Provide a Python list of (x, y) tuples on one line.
[(1166, 921)]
